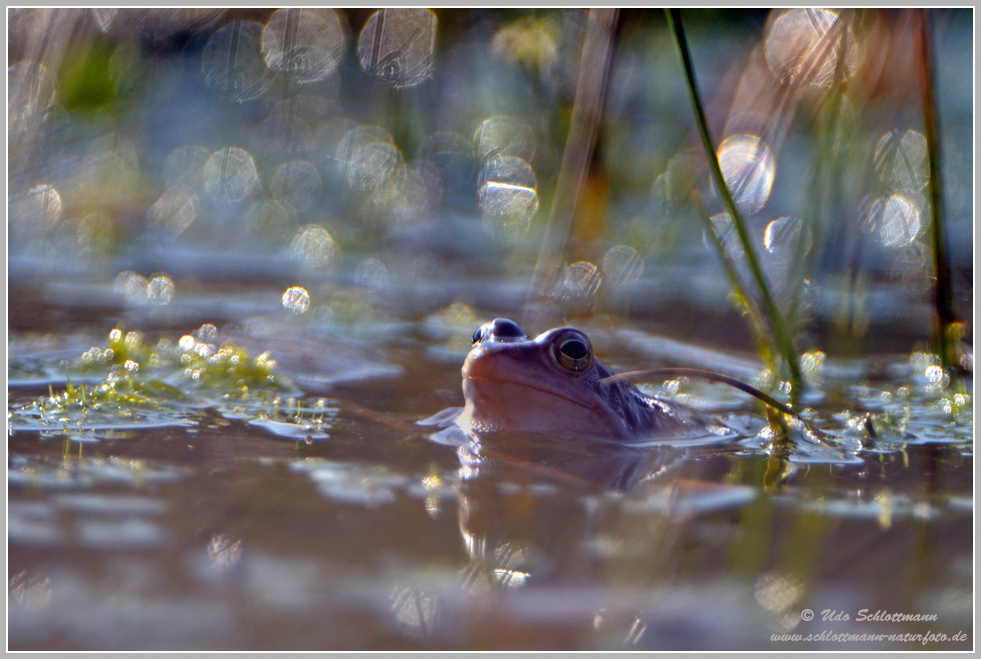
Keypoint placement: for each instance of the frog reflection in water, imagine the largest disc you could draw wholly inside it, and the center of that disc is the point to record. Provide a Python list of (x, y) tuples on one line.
[(552, 384)]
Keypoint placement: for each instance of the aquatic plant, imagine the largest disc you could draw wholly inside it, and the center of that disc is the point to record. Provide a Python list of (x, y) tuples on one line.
[(782, 339), (167, 383), (949, 329), (823, 61)]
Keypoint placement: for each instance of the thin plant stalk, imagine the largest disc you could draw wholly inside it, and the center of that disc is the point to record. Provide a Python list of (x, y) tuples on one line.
[(810, 432), (784, 342), (943, 297)]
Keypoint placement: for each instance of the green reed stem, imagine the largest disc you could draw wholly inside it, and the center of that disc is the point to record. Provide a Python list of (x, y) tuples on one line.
[(784, 342), (943, 297)]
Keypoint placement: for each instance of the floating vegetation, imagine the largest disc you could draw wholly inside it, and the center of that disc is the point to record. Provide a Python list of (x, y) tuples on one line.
[(918, 406), (906, 414), (130, 383), (118, 403), (212, 369), (286, 418)]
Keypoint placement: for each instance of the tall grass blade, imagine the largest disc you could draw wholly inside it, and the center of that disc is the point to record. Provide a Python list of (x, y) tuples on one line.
[(783, 340)]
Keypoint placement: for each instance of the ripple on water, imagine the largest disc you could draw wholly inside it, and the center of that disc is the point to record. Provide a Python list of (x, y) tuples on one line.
[(105, 521), (885, 507), (124, 534), (111, 505), (33, 523), (370, 486), (693, 499), (84, 473)]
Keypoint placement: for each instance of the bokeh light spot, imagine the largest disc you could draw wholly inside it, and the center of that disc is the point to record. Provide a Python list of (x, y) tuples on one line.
[(373, 166), (783, 237), (622, 265), (358, 137), (185, 164), (371, 274), (296, 299), (581, 280), (504, 136), (174, 211), (304, 45), (131, 285), (528, 41), (296, 183), (508, 198), (507, 169), (398, 46), (230, 174), (40, 208), (803, 47), (232, 62), (314, 248), (507, 209), (749, 169), (160, 290), (894, 220), (901, 161)]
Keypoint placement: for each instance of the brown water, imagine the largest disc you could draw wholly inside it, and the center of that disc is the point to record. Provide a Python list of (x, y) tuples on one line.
[(221, 534)]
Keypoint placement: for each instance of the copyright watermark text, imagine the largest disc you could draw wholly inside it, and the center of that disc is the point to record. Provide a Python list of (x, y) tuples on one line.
[(866, 615), (845, 637)]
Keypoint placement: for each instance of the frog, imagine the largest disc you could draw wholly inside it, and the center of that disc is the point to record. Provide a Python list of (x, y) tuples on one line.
[(554, 384)]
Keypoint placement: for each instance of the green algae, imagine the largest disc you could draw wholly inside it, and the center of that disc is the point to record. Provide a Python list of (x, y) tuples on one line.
[(132, 383)]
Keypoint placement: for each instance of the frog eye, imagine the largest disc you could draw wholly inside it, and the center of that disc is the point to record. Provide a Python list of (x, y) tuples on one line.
[(573, 352), (478, 334)]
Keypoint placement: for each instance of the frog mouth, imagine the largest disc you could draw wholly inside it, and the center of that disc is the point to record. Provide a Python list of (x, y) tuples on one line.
[(547, 392)]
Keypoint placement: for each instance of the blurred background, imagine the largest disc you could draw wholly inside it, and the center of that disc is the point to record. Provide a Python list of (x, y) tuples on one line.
[(410, 158)]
